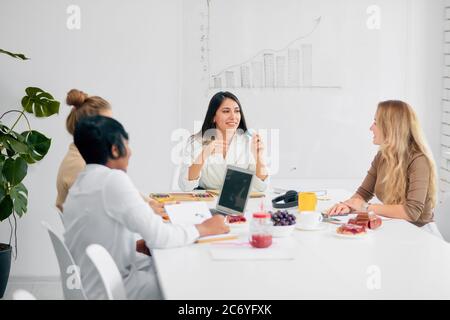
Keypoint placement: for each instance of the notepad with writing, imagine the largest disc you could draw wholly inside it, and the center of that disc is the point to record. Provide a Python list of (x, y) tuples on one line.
[(188, 213), (192, 213)]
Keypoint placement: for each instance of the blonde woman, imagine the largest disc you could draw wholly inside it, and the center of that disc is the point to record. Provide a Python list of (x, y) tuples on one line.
[(402, 175), (82, 105)]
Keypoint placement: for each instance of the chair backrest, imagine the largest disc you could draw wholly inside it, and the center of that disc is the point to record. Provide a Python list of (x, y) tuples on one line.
[(60, 214), (442, 215), (21, 294), (108, 272), (70, 272)]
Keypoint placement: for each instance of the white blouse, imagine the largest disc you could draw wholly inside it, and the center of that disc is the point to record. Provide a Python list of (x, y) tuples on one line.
[(104, 207), (211, 176)]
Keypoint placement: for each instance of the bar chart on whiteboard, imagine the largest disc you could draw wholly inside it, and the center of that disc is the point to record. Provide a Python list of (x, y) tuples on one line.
[(238, 52)]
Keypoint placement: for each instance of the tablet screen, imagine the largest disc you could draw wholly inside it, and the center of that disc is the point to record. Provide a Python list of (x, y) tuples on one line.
[(236, 187)]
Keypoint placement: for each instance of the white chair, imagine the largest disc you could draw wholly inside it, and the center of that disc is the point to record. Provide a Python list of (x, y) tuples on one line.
[(60, 214), (21, 294), (108, 272), (70, 272), (442, 215)]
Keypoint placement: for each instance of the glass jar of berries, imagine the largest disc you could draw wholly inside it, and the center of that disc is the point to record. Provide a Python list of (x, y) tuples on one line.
[(261, 230)]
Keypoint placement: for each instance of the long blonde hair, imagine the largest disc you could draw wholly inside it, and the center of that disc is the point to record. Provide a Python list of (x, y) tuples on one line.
[(403, 137)]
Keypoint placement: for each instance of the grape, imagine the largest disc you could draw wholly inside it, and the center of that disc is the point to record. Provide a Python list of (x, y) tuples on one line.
[(282, 218)]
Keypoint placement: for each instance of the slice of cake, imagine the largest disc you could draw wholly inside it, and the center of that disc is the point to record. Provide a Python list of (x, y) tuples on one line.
[(368, 220), (351, 229)]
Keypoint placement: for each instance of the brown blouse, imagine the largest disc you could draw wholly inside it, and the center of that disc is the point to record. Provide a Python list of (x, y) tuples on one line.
[(418, 205)]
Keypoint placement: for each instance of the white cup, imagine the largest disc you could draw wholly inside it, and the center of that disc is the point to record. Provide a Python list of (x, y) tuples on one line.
[(309, 219)]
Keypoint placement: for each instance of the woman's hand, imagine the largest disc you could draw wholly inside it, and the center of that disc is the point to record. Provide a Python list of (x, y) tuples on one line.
[(141, 247), (212, 226), (159, 208), (214, 147), (352, 204), (257, 146), (356, 204), (339, 208)]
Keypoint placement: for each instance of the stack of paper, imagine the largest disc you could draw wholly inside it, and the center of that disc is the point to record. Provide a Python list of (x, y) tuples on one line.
[(188, 213), (192, 213)]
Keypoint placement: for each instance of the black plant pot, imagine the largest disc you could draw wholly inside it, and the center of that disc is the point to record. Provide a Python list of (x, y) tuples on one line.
[(5, 266)]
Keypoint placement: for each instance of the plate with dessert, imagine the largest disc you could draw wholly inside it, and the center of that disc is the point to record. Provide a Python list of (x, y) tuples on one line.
[(367, 219), (351, 231), (236, 221), (359, 226)]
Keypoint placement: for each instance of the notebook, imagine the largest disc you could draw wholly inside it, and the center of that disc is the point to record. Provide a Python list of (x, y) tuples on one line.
[(192, 213)]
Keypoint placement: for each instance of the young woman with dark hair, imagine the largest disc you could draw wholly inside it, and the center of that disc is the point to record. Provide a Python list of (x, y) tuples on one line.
[(222, 141), (104, 207)]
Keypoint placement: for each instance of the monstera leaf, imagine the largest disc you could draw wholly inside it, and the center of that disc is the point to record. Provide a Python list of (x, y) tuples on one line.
[(11, 143), (14, 170), (37, 144), (19, 195), (39, 102), (14, 55), (6, 207)]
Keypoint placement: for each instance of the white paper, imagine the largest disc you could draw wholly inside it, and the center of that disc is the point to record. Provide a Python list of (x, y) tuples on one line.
[(188, 213)]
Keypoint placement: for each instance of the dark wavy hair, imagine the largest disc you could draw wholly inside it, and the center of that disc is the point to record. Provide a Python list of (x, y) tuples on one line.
[(214, 105), (94, 137)]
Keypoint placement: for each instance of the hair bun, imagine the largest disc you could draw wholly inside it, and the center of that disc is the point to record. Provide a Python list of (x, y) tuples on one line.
[(76, 98)]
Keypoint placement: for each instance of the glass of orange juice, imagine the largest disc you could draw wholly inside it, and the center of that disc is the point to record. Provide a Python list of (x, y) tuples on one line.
[(307, 201)]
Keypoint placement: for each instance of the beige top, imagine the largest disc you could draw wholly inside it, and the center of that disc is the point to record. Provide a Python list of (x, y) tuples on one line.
[(72, 164), (418, 205)]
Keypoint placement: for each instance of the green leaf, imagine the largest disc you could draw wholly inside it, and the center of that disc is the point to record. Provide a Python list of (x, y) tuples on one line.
[(39, 102), (14, 170), (14, 55), (6, 208), (14, 144), (19, 195), (2, 162), (2, 192), (38, 144), (3, 128)]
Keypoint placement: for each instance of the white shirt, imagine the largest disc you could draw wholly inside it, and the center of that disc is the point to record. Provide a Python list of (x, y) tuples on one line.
[(104, 207), (213, 171)]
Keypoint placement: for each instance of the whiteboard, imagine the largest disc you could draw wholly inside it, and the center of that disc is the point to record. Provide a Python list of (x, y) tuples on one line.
[(308, 73)]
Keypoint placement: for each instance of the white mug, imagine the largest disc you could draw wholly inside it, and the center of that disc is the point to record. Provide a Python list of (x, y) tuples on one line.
[(309, 219)]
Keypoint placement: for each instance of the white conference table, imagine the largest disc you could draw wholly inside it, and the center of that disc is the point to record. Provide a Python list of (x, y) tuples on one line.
[(398, 261)]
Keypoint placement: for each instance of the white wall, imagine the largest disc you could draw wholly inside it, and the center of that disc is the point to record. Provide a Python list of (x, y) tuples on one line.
[(143, 56), (401, 60), (128, 53)]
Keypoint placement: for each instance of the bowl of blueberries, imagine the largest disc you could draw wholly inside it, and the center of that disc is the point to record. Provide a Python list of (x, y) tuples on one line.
[(283, 223)]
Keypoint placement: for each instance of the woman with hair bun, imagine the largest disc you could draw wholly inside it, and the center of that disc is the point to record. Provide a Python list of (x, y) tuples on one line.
[(73, 163), (82, 105)]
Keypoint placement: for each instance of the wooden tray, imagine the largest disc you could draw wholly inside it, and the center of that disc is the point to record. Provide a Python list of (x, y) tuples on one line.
[(182, 196)]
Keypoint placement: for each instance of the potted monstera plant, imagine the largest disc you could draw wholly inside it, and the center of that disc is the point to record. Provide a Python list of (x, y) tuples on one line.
[(18, 150)]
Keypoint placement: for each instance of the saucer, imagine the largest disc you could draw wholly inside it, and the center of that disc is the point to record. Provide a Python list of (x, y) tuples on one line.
[(320, 226), (349, 236)]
